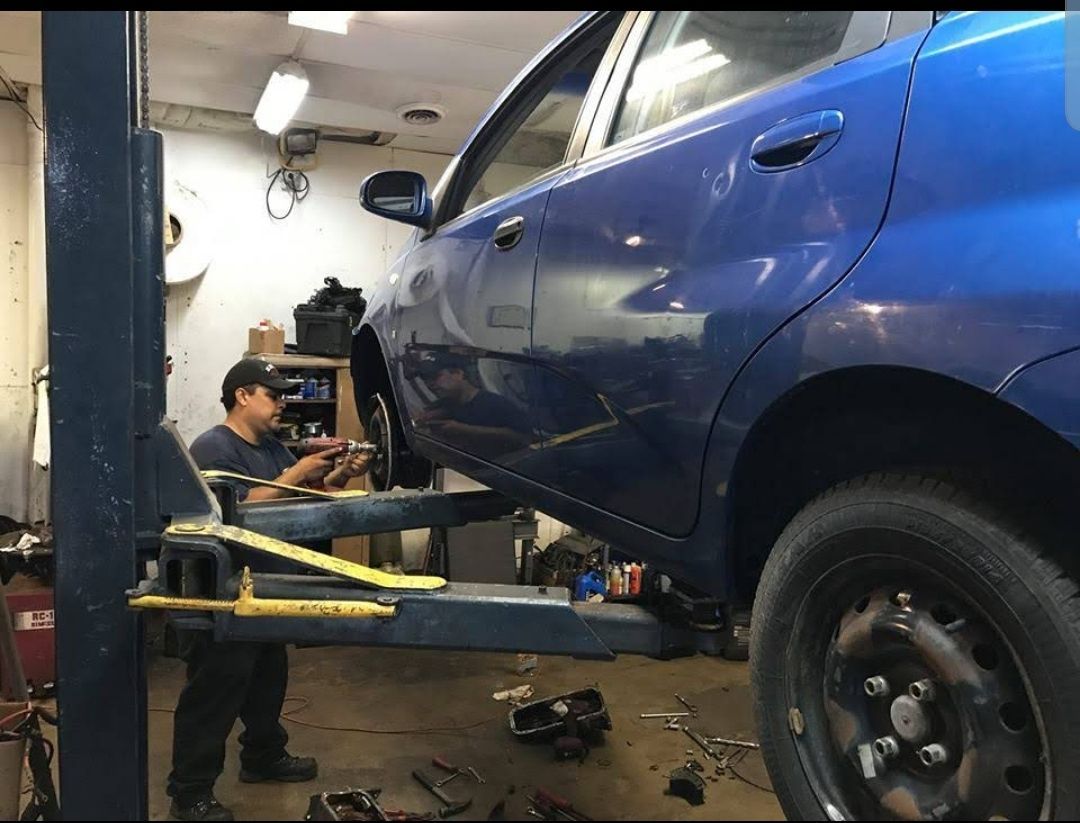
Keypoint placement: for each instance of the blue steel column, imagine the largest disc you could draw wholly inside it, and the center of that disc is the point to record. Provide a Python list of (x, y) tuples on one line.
[(88, 212)]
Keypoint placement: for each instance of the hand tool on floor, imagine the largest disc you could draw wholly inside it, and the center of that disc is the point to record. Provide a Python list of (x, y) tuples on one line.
[(658, 715), (539, 810), (697, 738), (725, 741), (442, 763), (314, 445), (475, 774), (688, 704), (450, 806), (546, 800)]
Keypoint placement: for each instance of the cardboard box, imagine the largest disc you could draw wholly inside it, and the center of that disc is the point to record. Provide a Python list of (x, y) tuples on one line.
[(266, 340)]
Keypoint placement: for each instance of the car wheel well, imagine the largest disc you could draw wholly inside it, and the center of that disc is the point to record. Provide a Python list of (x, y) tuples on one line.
[(368, 368), (853, 422)]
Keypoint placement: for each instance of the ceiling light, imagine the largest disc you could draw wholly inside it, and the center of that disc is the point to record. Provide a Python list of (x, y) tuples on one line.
[(332, 21), (281, 99)]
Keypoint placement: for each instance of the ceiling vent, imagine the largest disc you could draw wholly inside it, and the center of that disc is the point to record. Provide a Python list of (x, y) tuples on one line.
[(421, 114)]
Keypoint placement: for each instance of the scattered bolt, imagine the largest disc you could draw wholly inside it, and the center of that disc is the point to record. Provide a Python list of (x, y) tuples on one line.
[(877, 686), (933, 754), (886, 747), (923, 690)]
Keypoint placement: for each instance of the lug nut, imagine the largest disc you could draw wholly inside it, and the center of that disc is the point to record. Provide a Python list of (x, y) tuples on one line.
[(877, 686), (923, 690), (933, 754), (902, 599), (886, 747)]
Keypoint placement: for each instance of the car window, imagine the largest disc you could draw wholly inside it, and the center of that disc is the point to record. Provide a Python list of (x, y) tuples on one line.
[(538, 131), (693, 59)]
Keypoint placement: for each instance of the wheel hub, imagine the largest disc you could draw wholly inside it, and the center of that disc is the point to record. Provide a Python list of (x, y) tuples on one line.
[(927, 708), (909, 719)]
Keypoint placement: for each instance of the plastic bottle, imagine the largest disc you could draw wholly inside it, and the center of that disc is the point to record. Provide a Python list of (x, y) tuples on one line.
[(322, 390), (310, 388), (615, 581), (626, 578), (635, 578)]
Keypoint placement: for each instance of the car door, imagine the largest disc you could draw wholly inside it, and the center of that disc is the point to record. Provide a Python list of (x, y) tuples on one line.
[(739, 165), (463, 309)]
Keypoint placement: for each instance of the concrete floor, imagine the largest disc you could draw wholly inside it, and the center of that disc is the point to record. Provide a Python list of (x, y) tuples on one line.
[(624, 778)]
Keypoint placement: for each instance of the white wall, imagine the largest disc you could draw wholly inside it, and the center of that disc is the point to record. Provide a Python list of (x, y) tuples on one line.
[(16, 397), (263, 267)]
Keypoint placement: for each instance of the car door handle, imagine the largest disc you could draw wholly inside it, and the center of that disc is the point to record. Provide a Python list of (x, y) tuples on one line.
[(795, 142), (509, 232)]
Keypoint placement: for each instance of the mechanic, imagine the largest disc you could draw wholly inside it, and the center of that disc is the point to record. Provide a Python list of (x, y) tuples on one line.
[(236, 679)]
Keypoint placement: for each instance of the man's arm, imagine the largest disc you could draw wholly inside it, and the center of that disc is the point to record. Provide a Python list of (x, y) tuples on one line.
[(305, 471)]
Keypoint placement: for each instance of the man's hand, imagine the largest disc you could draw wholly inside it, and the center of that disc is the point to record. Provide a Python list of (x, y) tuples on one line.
[(312, 469), (351, 466)]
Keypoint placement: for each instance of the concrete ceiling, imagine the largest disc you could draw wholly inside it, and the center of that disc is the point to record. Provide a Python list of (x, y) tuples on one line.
[(221, 60)]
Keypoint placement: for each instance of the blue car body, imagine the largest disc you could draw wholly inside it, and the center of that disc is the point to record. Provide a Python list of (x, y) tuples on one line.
[(670, 298)]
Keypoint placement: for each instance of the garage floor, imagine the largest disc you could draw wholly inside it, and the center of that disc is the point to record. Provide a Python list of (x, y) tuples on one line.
[(624, 778)]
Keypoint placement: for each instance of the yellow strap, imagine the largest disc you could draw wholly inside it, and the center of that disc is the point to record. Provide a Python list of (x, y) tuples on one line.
[(306, 557), (210, 474), (248, 605)]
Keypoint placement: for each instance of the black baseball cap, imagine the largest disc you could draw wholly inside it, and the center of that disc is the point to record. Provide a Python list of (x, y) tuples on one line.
[(250, 371)]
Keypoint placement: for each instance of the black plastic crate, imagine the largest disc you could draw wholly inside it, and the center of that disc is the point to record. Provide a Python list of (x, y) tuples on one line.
[(326, 331)]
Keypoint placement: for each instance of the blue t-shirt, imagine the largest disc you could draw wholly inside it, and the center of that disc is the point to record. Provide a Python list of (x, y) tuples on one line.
[(223, 449)]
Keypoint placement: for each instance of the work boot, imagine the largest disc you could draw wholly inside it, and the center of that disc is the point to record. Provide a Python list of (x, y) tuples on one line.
[(203, 807), (286, 769)]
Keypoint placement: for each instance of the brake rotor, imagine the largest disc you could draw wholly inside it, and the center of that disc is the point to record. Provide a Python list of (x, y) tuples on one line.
[(381, 433)]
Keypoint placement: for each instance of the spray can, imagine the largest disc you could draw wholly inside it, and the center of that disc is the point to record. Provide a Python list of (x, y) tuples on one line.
[(635, 578), (626, 578)]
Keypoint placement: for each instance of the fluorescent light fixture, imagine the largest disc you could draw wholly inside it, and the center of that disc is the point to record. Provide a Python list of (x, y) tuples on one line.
[(336, 22), (279, 102)]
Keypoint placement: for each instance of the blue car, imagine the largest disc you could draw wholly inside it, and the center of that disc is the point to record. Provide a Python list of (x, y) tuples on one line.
[(786, 304)]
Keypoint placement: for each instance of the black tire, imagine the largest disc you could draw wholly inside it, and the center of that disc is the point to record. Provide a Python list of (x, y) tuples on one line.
[(396, 465), (932, 559)]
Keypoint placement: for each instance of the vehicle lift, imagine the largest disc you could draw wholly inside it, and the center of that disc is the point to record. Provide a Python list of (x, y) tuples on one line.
[(125, 491)]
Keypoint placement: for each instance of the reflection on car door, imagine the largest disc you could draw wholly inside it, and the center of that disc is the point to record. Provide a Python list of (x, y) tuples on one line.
[(746, 167)]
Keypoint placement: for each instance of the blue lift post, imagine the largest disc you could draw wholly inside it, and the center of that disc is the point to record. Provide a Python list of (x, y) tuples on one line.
[(105, 339)]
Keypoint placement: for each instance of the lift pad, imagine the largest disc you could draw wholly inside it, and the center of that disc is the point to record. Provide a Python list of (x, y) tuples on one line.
[(306, 557)]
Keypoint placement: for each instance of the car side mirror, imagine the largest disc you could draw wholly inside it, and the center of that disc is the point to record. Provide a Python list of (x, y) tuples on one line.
[(397, 195)]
